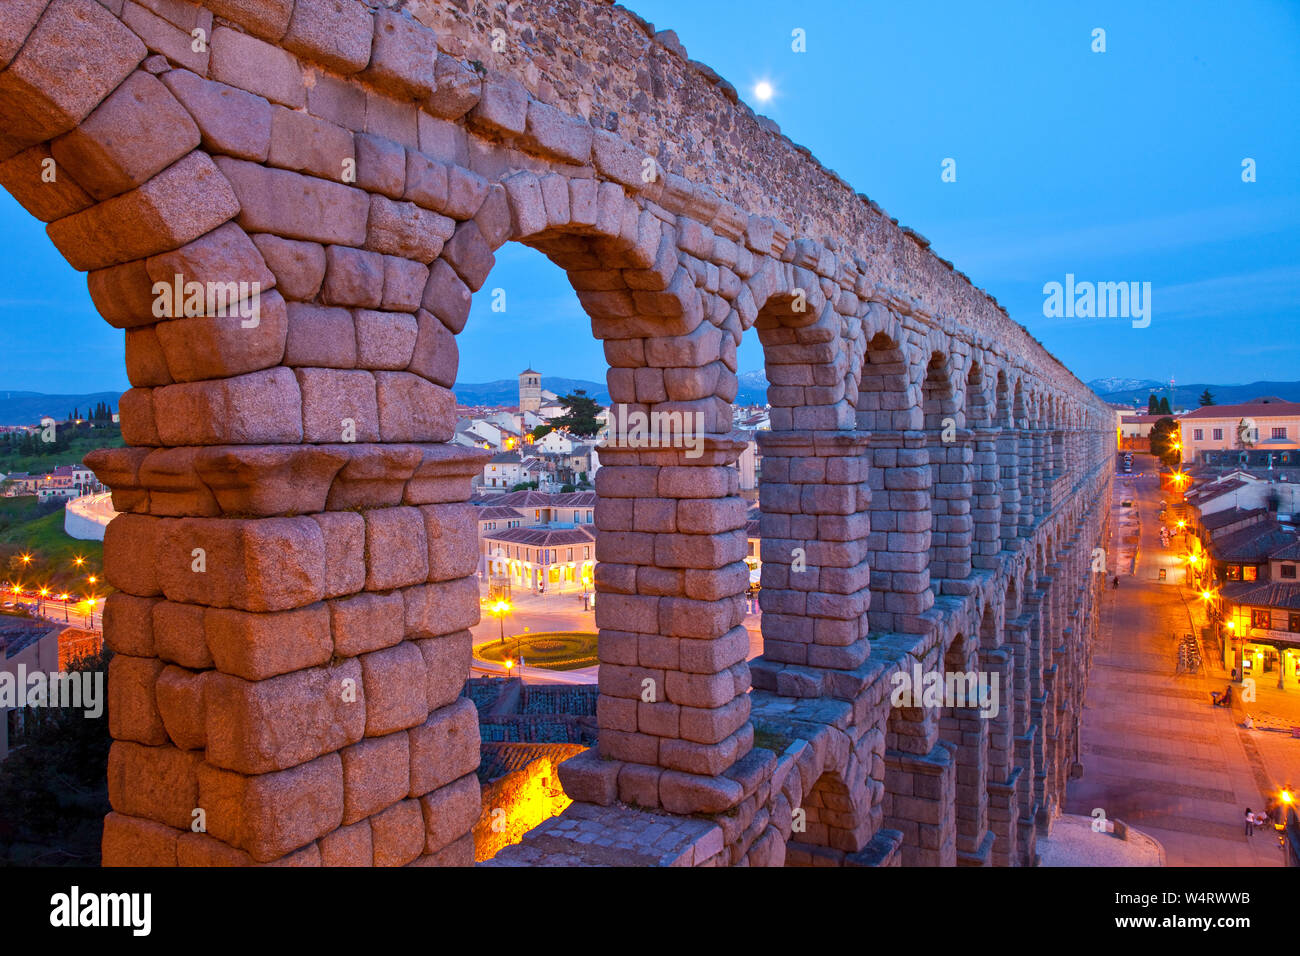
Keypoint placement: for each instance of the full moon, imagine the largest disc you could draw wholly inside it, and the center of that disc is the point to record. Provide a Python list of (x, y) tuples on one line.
[(763, 91)]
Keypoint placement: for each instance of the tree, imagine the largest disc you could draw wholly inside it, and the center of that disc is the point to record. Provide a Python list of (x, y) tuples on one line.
[(541, 431), (1153, 405), (1164, 406), (1164, 435), (567, 489), (1207, 397), (580, 414)]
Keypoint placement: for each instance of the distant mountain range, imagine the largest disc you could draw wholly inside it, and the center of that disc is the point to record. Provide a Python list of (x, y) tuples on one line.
[(1131, 392), (1109, 386), (506, 391), (27, 408)]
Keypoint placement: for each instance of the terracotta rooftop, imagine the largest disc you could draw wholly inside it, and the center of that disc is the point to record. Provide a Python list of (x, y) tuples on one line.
[(1263, 594), (488, 512), (1253, 543), (1266, 407), (543, 537), (1221, 519)]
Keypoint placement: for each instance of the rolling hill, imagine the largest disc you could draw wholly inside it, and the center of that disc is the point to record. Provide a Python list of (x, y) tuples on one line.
[(1188, 396), (26, 408)]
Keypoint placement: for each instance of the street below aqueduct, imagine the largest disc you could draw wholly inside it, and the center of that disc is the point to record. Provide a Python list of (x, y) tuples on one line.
[(1156, 754)]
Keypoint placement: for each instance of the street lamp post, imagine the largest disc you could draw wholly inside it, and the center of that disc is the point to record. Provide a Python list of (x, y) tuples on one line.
[(501, 609)]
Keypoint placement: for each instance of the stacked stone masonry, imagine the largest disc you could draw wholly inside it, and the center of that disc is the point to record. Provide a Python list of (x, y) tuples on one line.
[(294, 560)]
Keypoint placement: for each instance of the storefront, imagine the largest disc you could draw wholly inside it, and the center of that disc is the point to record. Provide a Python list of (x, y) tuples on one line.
[(1265, 643)]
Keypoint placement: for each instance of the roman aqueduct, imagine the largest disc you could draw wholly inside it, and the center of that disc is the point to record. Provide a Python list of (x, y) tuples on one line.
[(293, 598)]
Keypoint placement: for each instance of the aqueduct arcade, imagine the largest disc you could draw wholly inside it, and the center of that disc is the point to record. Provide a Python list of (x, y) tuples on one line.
[(294, 561)]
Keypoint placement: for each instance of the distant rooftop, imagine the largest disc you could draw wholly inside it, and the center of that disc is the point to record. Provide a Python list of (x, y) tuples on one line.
[(1267, 406), (19, 633)]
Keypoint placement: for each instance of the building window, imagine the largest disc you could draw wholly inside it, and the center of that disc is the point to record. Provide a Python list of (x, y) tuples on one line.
[(1198, 434), (1261, 618), (1293, 623), (570, 558), (1218, 434), (1248, 572), (586, 552), (1279, 432), (1286, 570), (1232, 572)]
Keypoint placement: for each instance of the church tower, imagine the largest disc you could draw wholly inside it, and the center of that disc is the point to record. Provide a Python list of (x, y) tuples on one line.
[(530, 390)]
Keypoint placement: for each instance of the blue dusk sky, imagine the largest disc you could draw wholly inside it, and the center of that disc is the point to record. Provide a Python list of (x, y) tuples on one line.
[(1117, 166)]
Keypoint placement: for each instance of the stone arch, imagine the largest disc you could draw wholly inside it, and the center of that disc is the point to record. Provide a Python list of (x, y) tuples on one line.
[(979, 408), (813, 476), (964, 732), (836, 820), (885, 402), (938, 393), (888, 407), (950, 453)]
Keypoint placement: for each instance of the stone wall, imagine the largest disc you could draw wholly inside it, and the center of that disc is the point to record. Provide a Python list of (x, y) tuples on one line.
[(294, 561)]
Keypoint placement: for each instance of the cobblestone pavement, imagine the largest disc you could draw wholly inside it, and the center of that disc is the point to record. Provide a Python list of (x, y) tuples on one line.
[(1156, 754)]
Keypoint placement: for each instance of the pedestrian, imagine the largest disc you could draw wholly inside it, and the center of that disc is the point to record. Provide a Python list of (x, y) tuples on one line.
[(1115, 583), (1250, 822)]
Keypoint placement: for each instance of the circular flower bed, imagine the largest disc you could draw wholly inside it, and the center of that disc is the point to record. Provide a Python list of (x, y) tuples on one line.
[(553, 650)]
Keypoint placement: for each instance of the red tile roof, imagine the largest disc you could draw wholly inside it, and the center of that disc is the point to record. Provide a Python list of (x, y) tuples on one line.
[(1257, 408), (543, 537)]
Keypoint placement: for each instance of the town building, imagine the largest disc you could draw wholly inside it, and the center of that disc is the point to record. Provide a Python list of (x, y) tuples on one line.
[(26, 646), (556, 556), (1135, 431), (1244, 551), (530, 390), (1266, 424), (553, 556)]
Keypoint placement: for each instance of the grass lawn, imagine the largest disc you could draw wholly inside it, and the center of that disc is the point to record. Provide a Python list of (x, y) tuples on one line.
[(553, 650), (24, 530)]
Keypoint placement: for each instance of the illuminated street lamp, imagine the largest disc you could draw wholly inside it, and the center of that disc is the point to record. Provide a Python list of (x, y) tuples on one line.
[(501, 609)]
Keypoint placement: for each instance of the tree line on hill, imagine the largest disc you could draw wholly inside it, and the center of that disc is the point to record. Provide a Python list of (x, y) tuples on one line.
[(1161, 406), (100, 413)]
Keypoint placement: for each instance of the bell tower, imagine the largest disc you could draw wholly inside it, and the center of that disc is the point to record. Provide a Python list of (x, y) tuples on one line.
[(530, 390)]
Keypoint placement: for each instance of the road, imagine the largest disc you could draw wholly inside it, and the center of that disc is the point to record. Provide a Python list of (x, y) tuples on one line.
[(70, 612), (1156, 754), (86, 517)]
